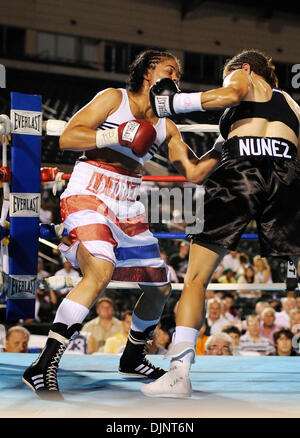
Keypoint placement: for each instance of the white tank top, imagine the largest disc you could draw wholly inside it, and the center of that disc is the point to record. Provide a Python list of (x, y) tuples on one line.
[(124, 114)]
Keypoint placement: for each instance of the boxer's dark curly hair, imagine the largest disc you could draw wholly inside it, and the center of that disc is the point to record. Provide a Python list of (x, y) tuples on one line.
[(259, 62), (145, 61)]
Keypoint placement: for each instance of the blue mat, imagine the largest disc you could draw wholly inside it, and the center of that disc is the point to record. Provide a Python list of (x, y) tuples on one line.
[(223, 387)]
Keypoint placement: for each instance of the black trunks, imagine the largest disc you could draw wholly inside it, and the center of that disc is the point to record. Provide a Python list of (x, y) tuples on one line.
[(258, 178)]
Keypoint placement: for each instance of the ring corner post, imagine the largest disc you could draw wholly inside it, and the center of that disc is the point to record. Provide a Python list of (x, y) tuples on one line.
[(25, 199)]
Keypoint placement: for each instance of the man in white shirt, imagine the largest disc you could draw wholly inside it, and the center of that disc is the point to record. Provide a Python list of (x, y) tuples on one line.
[(283, 318), (214, 319), (231, 261), (252, 342), (66, 271)]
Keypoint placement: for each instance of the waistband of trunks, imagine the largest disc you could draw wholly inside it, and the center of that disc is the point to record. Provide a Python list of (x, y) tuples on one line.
[(258, 147), (112, 168), (102, 179)]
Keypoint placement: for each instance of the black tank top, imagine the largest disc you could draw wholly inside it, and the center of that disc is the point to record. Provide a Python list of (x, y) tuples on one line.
[(276, 109)]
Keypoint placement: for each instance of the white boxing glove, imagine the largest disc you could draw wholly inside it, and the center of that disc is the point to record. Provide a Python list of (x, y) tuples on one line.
[(5, 125)]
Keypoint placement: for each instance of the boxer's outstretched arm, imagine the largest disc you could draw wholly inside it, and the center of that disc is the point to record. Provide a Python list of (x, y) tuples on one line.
[(195, 169), (235, 87), (167, 100), (80, 132)]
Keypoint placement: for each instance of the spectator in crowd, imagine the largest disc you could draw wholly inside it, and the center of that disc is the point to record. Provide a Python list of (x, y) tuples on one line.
[(46, 304), (152, 346), (267, 323), (46, 214), (249, 278), (162, 335), (262, 270), (235, 335), (201, 341), (180, 259), (219, 344), (229, 311), (294, 320), (114, 344), (46, 299), (66, 271), (283, 342), (298, 302), (283, 318), (16, 341), (41, 272), (228, 276), (217, 273), (244, 263), (105, 324), (260, 306), (252, 341), (214, 319), (276, 304), (291, 294), (209, 294), (173, 278), (232, 261)]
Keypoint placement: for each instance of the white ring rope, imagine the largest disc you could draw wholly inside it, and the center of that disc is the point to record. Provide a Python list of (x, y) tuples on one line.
[(56, 127), (58, 282)]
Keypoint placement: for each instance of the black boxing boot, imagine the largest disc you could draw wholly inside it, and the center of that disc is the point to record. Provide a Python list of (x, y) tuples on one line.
[(41, 375), (133, 362)]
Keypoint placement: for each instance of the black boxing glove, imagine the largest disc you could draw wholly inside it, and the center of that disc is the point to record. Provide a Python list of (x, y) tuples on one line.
[(166, 99), (162, 96)]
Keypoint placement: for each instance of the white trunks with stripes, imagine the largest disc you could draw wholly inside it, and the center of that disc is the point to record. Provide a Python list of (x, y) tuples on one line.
[(99, 209)]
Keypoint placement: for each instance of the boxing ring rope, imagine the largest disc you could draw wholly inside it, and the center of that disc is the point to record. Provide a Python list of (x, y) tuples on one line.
[(52, 231)]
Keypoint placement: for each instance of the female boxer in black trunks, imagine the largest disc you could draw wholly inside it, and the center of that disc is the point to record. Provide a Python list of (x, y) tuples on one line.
[(258, 178)]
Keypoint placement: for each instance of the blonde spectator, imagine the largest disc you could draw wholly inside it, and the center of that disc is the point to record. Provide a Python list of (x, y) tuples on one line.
[(262, 270), (298, 302), (294, 320), (267, 323)]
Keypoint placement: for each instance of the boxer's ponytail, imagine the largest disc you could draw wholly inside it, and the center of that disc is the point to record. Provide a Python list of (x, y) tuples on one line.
[(260, 63)]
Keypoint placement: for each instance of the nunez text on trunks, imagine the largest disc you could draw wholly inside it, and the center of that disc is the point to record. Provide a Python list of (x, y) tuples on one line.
[(264, 147)]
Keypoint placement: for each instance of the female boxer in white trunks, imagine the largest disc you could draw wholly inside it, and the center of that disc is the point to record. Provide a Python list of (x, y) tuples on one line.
[(259, 178), (109, 238)]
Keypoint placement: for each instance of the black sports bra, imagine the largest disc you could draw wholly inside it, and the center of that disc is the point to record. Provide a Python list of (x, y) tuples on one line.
[(276, 109)]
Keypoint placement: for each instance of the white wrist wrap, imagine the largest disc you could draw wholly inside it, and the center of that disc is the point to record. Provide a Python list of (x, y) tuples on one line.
[(54, 127), (109, 137), (187, 102), (218, 145)]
